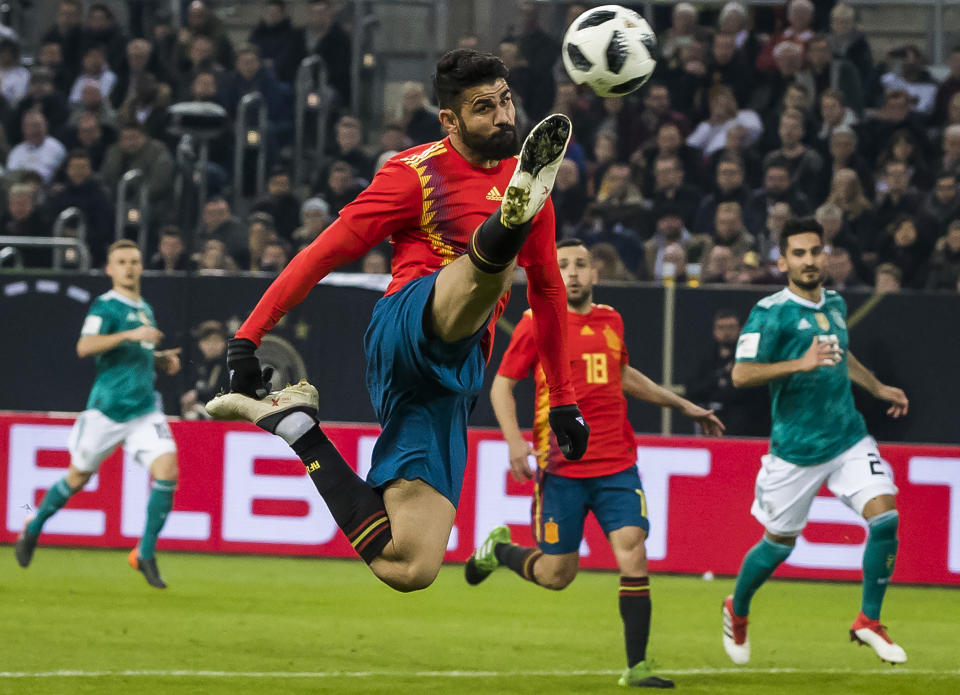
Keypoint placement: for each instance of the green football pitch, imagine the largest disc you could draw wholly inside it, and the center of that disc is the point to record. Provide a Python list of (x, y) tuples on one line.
[(81, 621)]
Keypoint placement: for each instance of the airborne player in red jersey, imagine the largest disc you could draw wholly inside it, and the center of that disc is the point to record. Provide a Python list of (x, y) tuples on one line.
[(604, 481), (455, 249)]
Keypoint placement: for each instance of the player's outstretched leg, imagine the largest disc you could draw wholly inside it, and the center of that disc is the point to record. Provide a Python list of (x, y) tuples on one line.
[(879, 558), (57, 496), (291, 414), (148, 567), (483, 561)]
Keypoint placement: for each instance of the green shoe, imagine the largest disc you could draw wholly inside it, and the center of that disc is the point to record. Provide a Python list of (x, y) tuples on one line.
[(641, 676), (484, 560)]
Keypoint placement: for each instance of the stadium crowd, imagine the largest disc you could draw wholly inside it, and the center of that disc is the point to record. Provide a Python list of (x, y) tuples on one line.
[(689, 180)]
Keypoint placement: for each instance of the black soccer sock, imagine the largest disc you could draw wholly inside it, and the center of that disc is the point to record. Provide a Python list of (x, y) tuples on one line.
[(355, 506), (493, 245), (635, 613), (518, 558)]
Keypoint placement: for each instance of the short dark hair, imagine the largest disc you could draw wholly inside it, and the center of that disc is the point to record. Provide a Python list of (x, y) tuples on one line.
[(724, 313), (171, 230), (461, 69), (572, 241), (799, 225), (78, 153)]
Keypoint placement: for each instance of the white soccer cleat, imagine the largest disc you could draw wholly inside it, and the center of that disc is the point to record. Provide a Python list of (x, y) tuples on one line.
[(873, 634), (266, 412), (532, 180), (735, 642)]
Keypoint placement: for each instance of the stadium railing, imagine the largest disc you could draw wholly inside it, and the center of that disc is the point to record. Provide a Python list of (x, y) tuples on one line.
[(63, 229), (17, 242), (136, 216), (250, 137), (313, 96)]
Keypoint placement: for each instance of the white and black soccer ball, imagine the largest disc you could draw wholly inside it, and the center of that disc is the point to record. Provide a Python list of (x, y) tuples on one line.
[(610, 48)]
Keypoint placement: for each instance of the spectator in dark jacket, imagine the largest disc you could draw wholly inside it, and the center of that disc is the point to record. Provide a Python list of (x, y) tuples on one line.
[(251, 76), (82, 190), (280, 203), (23, 218), (945, 261), (729, 65), (941, 205), (101, 29), (849, 43), (171, 252), (281, 44), (66, 31), (903, 247), (327, 38)]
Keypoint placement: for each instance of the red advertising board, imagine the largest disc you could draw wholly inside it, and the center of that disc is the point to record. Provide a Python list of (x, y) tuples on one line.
[(242, 490)]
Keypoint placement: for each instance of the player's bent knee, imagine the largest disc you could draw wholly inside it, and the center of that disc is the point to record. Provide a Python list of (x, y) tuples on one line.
[(410, 576), (557, 578)]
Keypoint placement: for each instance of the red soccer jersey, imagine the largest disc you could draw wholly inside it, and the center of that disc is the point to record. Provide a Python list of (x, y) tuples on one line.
[(429, 200), (597, 352)]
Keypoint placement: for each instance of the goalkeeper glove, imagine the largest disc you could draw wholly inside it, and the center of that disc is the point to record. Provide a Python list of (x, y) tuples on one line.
[(245, 374), (571, 430)]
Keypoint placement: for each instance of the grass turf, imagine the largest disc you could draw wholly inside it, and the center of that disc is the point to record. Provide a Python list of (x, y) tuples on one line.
[(281, 625)]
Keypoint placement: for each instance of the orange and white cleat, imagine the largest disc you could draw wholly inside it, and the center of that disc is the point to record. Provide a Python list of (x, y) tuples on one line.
[(872, 633)]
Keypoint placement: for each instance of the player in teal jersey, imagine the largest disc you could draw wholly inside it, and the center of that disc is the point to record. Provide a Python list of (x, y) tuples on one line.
[(796, 341), (121, 332)]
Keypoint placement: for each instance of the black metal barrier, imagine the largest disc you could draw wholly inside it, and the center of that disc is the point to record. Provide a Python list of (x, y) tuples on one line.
[(909, 340)]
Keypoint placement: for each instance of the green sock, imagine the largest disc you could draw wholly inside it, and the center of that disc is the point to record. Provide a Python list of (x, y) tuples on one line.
[(758, 565), (158, 507), (878, 559), (55, 498)]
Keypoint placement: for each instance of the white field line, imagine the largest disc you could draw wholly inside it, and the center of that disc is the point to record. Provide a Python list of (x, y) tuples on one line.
[(183, 673)]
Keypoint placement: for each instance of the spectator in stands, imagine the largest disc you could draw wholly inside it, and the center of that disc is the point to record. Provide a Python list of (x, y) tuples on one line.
[(745, 412), (849, 43), (804, 163), (540, 50), (945, 260), (393, 138), (82, 190), (887, 279), (670, 230), (897, 196), (846, 193), (728, 185), (730, 231), (39, 151), (526, 87), (736, 146), (608, 264), (902, 147), (882, 123), (578, 106), (141, 60), (834, 73), (375, 263), (101, 29), (315, 215), (687, 79), (171, 252), (799, 31), (790, 70), (14, 78), (50, 57), (670, 190), (95, 72), (776, 188), (729, 65), (618, 216), (66, 32), (656, 111), (834, 113), (261, 230), (674, 266), (201, 21), (903, 247), (325, 37), (273, 257), (88, 134), (769, 238), (341, 186), (280, 203), (569, 199), (950, 161), (710, 135), (207, 375), (147, 104), (682, 31), (166, 45), (218, 222), (910, 74), (418, 116), (136, 150), (734, 20), (23, 218), (719, 265), (840, 271), (250, 75), (468, 41), (941, 205), (947, 88), (604, 154), (843, 154), (41, 95), (213, 256), (281, 44)]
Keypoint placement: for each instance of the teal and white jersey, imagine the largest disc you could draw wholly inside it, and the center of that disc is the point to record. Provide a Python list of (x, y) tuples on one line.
[(123, 388), (814, 419)]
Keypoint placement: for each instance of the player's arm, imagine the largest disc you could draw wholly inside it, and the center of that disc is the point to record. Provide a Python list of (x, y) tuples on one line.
[(96, 344), (862, 376), (505, 409), (167, 361), (819, 354), (638, 385)]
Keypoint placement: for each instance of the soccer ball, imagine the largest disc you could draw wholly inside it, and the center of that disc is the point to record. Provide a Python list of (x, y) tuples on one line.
[(610, 48)]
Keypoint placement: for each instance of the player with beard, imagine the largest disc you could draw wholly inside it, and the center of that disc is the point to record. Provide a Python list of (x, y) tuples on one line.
[(462, 213), (604, 481), (796, 341)]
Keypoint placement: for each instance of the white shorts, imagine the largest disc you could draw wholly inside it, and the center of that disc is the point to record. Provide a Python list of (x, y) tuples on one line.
[(785, 491), (94, 437)]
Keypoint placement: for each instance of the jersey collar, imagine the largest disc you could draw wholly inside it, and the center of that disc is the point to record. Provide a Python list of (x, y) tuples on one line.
[(806, 302), (120, 298)]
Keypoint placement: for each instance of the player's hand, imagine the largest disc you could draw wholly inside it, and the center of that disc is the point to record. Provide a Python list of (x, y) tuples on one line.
[(145, 334), (897, 399), (571, 430), (708, 421), (168, 361), (246, 376), (820, 354), (520, 451)]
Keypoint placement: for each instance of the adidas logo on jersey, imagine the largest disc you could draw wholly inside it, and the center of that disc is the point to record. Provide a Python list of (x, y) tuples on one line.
[(494, 194), (803, 325)]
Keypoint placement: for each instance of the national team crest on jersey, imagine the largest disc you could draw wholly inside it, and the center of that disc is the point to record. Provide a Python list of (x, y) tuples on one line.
[(822, 321)]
